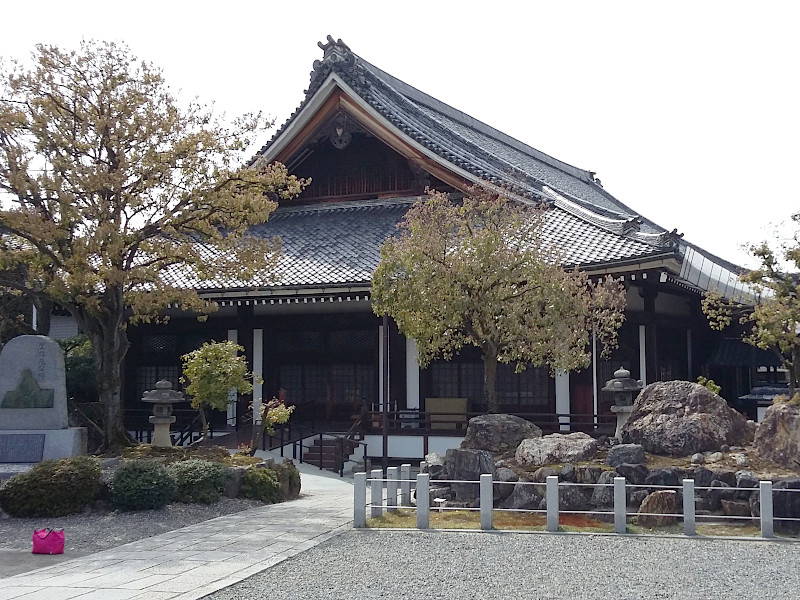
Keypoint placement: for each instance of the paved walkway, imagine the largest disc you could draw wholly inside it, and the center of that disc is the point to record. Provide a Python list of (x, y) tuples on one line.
[(198, 560)]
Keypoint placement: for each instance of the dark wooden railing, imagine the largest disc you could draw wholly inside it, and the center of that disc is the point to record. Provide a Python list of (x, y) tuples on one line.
[(427, 424), (188, 426)]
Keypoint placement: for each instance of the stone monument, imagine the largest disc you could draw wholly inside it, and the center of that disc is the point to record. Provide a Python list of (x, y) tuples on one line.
[(33, 403)]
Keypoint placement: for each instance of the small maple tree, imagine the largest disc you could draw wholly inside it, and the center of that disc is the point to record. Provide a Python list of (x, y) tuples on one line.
[(772, 316), (483, 273)]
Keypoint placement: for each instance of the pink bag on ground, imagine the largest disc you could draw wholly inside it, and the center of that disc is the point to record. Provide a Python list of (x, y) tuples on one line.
[(48, 541)]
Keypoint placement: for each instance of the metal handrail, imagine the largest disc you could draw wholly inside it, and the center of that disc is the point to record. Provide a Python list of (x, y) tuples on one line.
[(143, 432), (298, 442), (445, 420)]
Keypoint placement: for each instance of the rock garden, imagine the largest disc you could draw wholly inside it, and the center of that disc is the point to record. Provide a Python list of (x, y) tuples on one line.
[(677, 430)]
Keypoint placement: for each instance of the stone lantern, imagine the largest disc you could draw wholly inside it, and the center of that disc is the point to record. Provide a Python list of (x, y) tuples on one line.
[(162, 398), (623, 390)]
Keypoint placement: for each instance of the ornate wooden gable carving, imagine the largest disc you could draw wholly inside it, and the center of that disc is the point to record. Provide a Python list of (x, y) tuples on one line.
[(345, 161)]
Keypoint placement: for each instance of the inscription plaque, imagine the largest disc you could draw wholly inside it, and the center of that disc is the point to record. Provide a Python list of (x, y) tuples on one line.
[(21, 447)]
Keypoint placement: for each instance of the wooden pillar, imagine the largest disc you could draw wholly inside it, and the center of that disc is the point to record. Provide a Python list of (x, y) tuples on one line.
[(233, 336), (650, 359), (595, 383), (562, 400), (383, 338), (244, 327), (412, 375), (258, 373)]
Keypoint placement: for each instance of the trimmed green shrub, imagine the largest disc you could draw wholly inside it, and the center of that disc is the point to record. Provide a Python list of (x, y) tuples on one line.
[(52, 488), (199, 481), (142, 485), (261, 484)]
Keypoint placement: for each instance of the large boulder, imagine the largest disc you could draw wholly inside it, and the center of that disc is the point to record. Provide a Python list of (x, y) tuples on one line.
[(498, 433), (603, 495), (660, 506), (587, 474), (719, 491), (467, 465), (570, 497), (778, 435), (522, 497), (680, 418), (434, 465), (747, 483), (786, 504), (632, 454), (506, 479), (556, 448), (633, 474), (663, 477)]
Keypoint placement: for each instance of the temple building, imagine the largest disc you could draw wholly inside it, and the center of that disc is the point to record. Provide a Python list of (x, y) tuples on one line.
[(371, 145)]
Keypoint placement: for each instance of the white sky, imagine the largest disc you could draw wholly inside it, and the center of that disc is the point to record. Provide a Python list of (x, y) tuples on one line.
[(688, 111)]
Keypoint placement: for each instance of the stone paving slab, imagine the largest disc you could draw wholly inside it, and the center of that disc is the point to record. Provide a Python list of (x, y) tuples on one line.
[(198, 560)]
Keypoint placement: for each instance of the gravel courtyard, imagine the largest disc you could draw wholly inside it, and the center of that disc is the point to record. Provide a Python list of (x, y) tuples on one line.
[(454, 566)]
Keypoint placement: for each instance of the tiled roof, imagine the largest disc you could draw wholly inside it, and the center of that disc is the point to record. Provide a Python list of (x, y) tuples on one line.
[(332, 244), (462, 140), (592, 226), (337, 244)]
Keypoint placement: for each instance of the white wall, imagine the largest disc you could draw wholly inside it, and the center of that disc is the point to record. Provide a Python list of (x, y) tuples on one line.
[(410, 446)]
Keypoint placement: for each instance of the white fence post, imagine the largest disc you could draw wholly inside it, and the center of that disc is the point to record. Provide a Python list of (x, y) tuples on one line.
[(487, 501), (405, 485), (423, 501), (392, 475), (552, 503), (765, 495), (688, 508), (360, 500), (376, 493), (620, 506)]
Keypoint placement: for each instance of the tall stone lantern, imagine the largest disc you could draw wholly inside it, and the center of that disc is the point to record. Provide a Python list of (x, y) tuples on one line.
[(162, 398), (623, 390)]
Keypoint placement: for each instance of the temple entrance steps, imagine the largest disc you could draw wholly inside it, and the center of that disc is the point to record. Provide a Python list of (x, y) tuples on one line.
[(329, 453)]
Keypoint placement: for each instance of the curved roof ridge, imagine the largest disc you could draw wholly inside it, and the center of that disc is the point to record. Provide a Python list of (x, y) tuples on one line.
[(426, 130), (419, 96), (619, 224)]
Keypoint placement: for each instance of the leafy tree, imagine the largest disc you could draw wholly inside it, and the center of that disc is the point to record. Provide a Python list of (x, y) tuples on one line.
[(483, 273), (212, 371), (15, 317), (16, 310), (274, 412), (116, 199), (772, 319), (79, 368)]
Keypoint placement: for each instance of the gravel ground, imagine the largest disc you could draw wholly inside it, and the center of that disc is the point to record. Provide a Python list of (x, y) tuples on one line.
[(102, 529), (455, 566)]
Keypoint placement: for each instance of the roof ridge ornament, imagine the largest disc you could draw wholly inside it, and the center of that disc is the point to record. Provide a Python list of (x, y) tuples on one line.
[(337, 49), (336, 56)]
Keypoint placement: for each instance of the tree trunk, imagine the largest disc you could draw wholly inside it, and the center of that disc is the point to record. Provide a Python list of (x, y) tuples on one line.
[(489, 379), (257, 437), (44, 309), (106, 330), (794, 373), (204, 420), (109, 352)]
